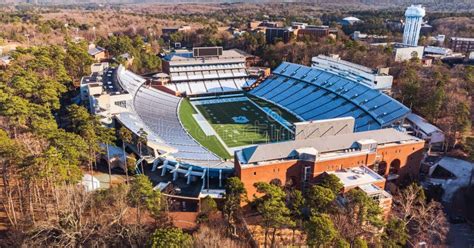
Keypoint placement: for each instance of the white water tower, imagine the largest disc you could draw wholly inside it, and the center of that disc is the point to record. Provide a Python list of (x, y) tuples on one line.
[(413, 20)]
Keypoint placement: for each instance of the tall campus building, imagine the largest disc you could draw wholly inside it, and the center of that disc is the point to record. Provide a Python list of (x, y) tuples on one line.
[(414, 18)]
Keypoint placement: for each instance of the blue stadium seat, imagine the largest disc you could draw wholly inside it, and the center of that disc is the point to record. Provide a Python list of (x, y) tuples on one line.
[(314, 94)]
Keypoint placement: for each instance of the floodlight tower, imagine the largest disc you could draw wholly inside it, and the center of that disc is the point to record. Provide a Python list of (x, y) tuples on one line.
[(413, 20)]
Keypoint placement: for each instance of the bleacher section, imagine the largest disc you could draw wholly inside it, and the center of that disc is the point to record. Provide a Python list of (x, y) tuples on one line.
[(128, 80), (313, 94), (156, 113), (207, 78)]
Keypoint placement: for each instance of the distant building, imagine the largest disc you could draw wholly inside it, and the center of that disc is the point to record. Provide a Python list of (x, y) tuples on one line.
[(299, 25), (8, 47), (298, 30), (166, 31), (350, 20), (253, 25), (438, 50), (313, 32), (272, 35), (426, 28), (96, 52), (462, 45), (413, 22), (403, 52), (427, 61), (440, 38), (5, 61), (437, 40), (394, 25), (374, 78), (357, 35), (257, 72), (270, 24), (127, 58)]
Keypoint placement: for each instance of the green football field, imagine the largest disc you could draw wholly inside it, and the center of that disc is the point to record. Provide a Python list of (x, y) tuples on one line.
[(186, 112), (242, 123)]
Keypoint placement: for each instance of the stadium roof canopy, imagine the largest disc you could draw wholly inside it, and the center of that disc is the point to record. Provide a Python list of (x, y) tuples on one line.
[(315, 94)]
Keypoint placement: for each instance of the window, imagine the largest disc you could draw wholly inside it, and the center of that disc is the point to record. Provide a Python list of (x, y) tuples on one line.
[(122, 104), (254, 173), (307, 173)]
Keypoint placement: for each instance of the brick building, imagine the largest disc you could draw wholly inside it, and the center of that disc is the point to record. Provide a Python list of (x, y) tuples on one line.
[(272, 35), (313, 32), (388, 152), (97, 53), (462, 45)]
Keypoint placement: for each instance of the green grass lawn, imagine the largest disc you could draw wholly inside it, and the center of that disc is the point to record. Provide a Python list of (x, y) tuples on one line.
[(259, 127), (186, 112)]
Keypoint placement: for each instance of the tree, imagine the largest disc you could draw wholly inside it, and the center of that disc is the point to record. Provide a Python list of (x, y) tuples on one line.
[(127, 137), (320, 199), (341, 243), (142, 194), (207, 207), (435, 102), (144, 60), (235, 193), (425, 221), (395, 234), (469, 147), (359, 216), (170, 238), (320, 230), (462, 121), (77, 59), (331, 182), (271, 206), (91, 130), (142, 141), (10, 156), (410, 87), (296, 204), (360, 243)]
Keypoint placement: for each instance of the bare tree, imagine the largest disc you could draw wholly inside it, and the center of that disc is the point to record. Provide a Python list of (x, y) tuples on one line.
[(425, 221)]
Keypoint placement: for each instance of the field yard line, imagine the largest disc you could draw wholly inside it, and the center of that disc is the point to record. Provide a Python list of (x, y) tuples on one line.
[(204, 124), (228, 149), (179, 119), (282, 124)]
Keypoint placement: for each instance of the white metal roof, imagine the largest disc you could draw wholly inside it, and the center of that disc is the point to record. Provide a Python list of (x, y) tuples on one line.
[(423, 124)]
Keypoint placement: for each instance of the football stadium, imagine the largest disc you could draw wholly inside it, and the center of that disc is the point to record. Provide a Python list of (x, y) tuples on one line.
[(194, 133)]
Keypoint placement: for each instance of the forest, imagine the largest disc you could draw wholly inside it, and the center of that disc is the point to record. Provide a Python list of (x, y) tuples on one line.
[(47, 142)]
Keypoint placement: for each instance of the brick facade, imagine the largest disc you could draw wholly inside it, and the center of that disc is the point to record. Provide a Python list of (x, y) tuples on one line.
[(405, 160)]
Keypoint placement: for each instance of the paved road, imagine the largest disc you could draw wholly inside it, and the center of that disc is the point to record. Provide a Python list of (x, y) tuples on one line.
[(460, 236)]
